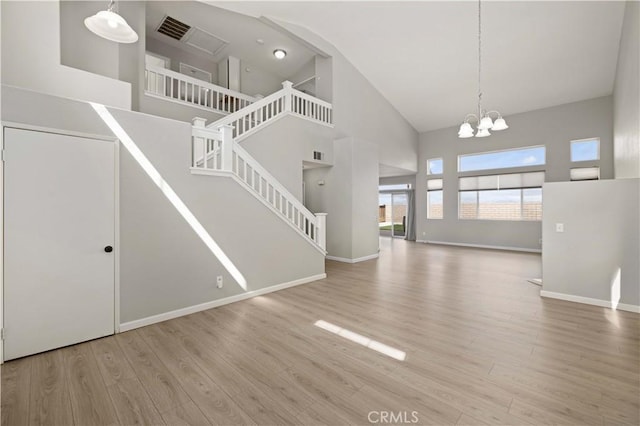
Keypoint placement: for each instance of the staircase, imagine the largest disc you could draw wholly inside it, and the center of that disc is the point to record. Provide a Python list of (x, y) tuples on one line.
[(275, 106), (216, 151)]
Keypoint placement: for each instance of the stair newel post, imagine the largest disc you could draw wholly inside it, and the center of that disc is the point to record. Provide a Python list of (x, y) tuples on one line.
[(288, 95), (321, 230), (226, 132), (198, 144)]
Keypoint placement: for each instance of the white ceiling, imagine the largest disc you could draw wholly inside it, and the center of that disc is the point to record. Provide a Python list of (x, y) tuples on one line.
[(240, 31), (422, 55)]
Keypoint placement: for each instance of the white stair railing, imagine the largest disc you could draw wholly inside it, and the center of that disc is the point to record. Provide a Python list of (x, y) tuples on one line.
[(176, 87), (216, 152), (285, 101)]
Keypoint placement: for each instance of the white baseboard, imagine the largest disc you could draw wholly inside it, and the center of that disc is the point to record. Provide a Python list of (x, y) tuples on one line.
[(356, 260), (589, 301), (214, 303), (446, 243)]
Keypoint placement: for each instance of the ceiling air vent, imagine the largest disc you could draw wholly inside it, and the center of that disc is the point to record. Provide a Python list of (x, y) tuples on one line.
[(204, 41), (173, 28)]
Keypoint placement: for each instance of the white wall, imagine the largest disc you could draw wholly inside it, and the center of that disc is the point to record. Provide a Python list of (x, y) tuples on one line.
[(131, 56), (182, 55), (164, 265), (79, 47), (350, 197), (324, 78), (306, 72), (626, 95), (596, 257), (364, 198), (162, 256), (31, 57), (553, 127), (174, 111), (399, 180), (359, 110), (256, 81), (282, 146)]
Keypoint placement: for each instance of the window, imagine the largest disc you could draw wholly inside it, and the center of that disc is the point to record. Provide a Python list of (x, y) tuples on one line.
[(521, 157), (513, 196), (585, 150), (434, 199), (434, 166)]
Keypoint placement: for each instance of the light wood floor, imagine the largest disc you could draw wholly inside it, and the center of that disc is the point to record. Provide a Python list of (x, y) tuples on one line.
[(481, 348)]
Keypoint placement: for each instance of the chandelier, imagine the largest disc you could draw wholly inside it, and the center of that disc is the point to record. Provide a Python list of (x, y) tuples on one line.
[(483, 118)]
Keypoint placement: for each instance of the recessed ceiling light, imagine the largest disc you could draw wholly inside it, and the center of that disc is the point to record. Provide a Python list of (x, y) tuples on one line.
[(279, 53)]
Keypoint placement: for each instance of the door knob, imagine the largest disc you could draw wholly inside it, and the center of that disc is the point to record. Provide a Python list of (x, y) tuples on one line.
[(108, 249)]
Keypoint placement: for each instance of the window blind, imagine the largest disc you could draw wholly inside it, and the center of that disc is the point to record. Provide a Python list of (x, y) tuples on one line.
[(504, 181), (585, 173), (434, 184)]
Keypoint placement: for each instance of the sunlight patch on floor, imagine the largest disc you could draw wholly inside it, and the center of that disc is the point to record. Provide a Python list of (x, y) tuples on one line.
[(362, 340)]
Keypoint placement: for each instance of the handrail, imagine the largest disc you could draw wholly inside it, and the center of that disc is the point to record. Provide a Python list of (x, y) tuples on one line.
[(285, 101), (268, 177), (311, 108), (310, 98), (238, 115), (181, 88), (216, 151)]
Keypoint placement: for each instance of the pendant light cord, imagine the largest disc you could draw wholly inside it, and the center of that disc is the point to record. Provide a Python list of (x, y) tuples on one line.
[(484, 117)]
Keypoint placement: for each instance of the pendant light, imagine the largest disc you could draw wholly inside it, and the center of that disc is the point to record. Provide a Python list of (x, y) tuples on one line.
[(108, 24), (483, 119)]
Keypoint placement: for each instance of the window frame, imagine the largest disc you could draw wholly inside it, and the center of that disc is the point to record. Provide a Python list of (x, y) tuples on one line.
[(477, 192), (395, 187), (494, 170), (429, 169), (439, 189), (592, 160)]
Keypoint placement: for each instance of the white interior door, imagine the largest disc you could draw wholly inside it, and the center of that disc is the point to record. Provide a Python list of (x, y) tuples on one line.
[(58, 221)]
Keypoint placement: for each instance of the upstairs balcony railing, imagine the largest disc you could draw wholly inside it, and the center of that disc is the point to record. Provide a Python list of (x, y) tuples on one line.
[(180, 88)]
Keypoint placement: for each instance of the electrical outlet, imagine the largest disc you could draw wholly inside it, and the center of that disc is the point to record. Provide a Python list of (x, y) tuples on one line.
[(219, 282), (559, 227)]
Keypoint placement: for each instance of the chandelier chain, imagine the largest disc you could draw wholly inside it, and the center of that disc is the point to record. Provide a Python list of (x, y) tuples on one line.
[(484, 119), (479, 59)]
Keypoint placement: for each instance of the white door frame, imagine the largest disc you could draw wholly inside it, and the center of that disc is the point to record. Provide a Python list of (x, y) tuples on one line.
[(116, 213), (393, 192)]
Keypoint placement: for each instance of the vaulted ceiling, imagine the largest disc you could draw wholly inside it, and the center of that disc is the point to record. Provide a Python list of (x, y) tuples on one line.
[(423, 55)]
